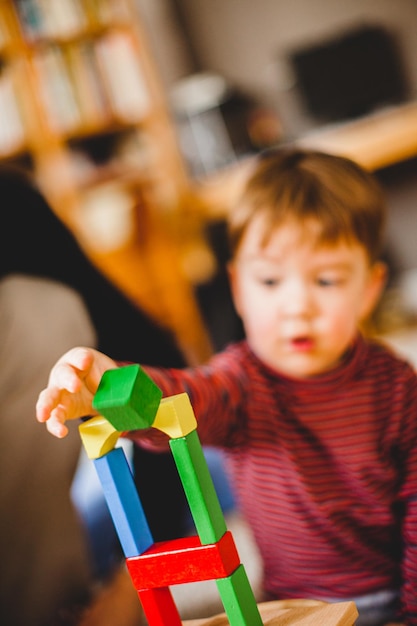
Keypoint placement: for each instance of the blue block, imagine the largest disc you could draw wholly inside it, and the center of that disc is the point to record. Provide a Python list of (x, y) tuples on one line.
[(123, 501)]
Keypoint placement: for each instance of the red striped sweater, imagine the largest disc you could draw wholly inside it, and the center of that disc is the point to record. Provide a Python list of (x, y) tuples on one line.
[(324, 469)]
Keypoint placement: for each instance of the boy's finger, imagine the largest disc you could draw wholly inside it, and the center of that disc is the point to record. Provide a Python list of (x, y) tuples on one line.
[(65, 376), (79, 359), (55, 424), (48, 399)]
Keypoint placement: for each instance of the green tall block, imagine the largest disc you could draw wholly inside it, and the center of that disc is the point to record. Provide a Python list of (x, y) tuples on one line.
[(199, 489), (238, 599), (127, 398)]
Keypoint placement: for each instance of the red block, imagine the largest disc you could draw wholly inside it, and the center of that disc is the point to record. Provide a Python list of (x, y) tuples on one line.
[(159, 607), (184, 560)]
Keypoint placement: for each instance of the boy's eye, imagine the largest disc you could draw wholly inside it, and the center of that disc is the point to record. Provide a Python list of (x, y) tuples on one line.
[(269, 282), (327, 281)]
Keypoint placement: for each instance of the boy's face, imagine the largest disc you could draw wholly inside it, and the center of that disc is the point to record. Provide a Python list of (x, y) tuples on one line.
[(300, 302)]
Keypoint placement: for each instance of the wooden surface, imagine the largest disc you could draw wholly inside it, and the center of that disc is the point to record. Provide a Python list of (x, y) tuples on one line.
[(375, 141), (294, 613)]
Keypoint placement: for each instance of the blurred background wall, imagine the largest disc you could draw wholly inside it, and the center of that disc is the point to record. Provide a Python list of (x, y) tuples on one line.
[(249, 42)]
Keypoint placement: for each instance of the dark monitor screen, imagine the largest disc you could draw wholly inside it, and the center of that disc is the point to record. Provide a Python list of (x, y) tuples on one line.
[(350, 75)]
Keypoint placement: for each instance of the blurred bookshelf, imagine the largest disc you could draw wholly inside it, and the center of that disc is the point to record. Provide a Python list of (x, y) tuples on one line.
[(82, 107)]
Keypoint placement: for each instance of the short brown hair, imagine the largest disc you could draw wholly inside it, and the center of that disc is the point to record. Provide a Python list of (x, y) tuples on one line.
[(305, 184)]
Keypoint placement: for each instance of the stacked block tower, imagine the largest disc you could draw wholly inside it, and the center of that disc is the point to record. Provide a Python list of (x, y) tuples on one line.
[(127, 399)]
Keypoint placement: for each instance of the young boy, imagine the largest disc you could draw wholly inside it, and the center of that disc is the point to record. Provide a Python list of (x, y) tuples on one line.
[(320, 424)]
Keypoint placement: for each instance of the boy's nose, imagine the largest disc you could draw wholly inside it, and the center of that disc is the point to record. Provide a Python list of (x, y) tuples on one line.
[(297, 301)]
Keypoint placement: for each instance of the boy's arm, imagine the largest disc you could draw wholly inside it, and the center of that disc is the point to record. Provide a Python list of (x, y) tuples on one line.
[(409, 496), (216, 391), (72, 383), (409, 531)]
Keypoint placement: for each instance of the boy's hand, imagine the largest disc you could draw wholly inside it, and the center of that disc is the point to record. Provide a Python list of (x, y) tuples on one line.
[(72, 384)]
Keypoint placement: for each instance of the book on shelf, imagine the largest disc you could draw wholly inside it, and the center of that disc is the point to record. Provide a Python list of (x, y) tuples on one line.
[(12, 130), (30, 18), (108, 12), (123, 76), (57, 89), (64, 18), (51, 18), (89, 90)]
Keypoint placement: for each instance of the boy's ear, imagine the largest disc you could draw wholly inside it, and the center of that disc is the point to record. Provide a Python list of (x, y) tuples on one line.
[(376, 283)]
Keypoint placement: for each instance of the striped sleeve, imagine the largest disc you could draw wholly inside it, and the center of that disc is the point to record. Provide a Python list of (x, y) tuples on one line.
[(216, 391), (409, 497)]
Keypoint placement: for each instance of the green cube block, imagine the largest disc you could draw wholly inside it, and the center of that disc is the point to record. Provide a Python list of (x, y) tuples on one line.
[(127, 398)]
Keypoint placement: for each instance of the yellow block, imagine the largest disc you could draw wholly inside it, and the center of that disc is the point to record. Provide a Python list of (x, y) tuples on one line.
[(98, 436), (175, 416)]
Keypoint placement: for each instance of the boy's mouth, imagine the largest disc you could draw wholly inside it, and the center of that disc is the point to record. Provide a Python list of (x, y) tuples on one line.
[(302, 343)]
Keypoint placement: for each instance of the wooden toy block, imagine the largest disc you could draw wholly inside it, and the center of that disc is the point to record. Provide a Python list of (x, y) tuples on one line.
[(175, 416), (238, 599), (98, 436), (123, 502), (159, 607), (182, 561), (199, 489), (127, 398)]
